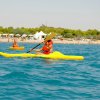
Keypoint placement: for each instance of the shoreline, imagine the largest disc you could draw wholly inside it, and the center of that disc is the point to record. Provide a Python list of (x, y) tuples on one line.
[(56, 41)]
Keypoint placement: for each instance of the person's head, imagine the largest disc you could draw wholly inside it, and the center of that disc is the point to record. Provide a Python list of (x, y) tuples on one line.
[(49, 42)]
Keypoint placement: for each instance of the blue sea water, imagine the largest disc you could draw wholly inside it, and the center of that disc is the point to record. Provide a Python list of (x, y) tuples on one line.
[(45, 79)]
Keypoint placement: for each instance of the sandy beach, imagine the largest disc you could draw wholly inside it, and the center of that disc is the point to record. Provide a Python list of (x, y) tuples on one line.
[(64, 41)]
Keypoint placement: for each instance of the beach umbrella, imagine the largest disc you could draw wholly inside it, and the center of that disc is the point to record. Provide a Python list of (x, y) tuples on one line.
[(18, 35), (24, 35)]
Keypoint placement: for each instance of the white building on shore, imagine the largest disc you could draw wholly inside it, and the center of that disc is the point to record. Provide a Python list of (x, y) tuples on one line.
[(39, 35)]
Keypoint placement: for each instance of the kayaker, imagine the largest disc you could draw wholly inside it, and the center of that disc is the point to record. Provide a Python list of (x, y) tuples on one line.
[(47, 48), (15, 44)]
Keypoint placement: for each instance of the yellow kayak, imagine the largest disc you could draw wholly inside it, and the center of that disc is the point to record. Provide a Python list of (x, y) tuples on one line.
[(16, 48), (54, 55)]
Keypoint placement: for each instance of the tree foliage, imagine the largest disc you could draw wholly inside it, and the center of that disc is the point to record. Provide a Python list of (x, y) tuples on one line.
[(66, 33)]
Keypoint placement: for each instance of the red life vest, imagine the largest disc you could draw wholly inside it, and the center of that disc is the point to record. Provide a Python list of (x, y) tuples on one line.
[(46, 49)]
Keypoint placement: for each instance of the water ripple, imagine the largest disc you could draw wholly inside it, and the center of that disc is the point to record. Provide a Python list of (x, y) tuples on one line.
[(42, 79)]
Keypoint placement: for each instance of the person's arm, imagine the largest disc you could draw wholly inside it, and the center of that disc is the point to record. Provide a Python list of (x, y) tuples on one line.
[(38, 50)]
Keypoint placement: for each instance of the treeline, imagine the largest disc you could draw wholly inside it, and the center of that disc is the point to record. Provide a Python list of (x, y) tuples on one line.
[(65, 33)]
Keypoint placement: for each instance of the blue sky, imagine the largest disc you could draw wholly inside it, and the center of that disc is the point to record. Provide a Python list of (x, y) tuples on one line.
[(73, 14)]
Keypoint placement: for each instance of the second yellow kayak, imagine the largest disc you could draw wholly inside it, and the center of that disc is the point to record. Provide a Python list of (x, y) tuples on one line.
[(17, 48)]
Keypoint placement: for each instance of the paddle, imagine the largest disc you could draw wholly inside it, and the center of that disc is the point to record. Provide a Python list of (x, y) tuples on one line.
[(49, 37)]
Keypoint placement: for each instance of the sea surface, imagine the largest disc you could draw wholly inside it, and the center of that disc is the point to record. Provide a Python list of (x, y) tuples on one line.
[(45, 79)]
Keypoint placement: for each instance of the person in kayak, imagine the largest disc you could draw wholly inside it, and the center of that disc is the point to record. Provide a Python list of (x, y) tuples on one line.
[(15, 44), (47, 48)]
